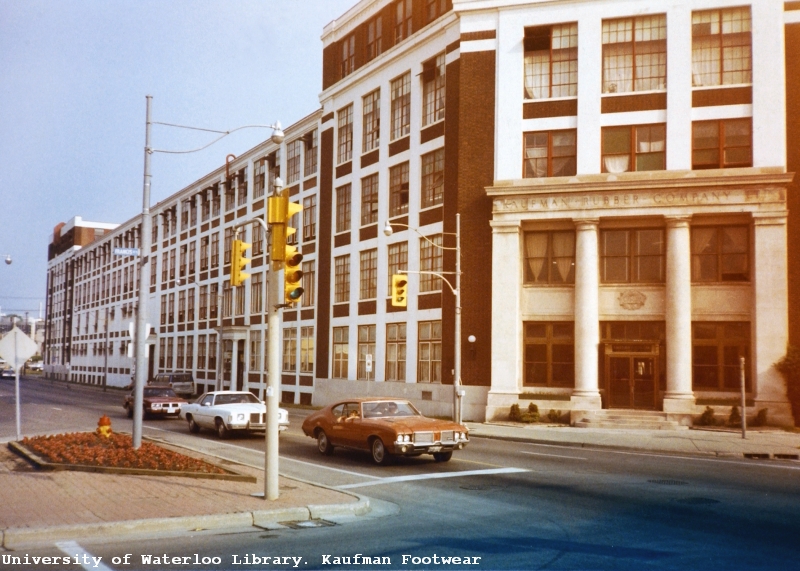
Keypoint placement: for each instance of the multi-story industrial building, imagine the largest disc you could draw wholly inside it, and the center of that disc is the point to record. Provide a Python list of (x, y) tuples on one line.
[(622, 172)]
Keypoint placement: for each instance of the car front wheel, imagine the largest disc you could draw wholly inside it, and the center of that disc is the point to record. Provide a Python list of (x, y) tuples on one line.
[(442, 456), (194, 428), (379, 454), (222, 431), (323, 444)]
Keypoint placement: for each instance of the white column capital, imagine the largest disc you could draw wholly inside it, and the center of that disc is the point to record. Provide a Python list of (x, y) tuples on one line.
[(583, 224), (677, 221), (770, 218), (505, 226)]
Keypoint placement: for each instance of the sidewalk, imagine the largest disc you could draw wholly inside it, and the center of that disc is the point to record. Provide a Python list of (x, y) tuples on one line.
[(75, 505)]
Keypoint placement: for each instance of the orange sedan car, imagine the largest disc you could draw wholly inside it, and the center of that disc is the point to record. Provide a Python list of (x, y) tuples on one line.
[(385, 427)]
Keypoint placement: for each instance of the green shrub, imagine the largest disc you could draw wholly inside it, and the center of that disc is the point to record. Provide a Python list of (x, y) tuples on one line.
[(554, 415), (528, 416), (707, 418), (735, 419), (761, 418)]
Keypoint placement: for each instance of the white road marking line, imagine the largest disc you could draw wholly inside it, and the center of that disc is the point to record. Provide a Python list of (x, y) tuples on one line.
[(56, 408), (333, 469), (553, 455), (84, 558), (433, 476)]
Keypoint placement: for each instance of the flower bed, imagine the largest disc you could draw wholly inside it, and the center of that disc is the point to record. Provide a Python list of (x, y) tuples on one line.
[(115, 451)]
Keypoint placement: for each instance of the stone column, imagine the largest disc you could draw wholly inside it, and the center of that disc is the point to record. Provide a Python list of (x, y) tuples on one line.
[(770, 326), (585, 396), (679, 398), (507, 341)]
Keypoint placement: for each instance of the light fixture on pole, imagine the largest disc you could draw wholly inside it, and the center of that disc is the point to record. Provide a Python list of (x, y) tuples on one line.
[(145, 239), (458, 392), (8, 259)]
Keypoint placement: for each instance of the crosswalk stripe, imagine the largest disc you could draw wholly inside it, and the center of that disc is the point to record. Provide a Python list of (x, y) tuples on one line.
[(83, 557)]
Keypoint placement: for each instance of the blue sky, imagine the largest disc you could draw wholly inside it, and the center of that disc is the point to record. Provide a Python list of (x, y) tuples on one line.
[(73, 79)]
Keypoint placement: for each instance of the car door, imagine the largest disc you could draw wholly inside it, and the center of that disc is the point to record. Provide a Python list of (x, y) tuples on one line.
[(204, 415)]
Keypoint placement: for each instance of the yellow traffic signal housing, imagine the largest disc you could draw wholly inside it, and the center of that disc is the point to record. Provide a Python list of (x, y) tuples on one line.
[(279, 213), (238, 262), (399, 290), (292, 275)]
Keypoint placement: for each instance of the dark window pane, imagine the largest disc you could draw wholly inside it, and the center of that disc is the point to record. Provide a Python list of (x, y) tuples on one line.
[(616, 140), (536, 330), (563, 330), (535, 353), (704, 331)]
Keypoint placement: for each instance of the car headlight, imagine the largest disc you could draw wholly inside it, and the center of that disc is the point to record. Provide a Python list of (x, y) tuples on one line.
[(404, 438), (155, 405)]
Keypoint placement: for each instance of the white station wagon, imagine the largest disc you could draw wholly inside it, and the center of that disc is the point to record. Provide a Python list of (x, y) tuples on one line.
[(227, 412)]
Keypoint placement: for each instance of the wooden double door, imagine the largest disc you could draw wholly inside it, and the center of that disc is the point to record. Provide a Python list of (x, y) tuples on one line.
[(632, 378)]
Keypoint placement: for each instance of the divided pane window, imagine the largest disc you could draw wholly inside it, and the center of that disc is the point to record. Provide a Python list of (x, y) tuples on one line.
[(430, 260), (340, 346), (368, 271), (374, 34), (398, 190), (434, 9), (345, 133), (401, 106), (550, 153), (310, 157), (395, 352), (369, 200), (290, 349), (632, 256), (720, 254), (550, 257), (635, 54), (293, 152), (309, 271), (366, 346), (310, 218), (721, 47), (716, 349), (341, 279), (402, 27), (307, 349), (343, 201), (372, 121), (551, 61), (348, 55), (429, 352), (432, 178), (259, 172), (550, 354), (433, 90), (398, 260), (722, 144), (634, 148)]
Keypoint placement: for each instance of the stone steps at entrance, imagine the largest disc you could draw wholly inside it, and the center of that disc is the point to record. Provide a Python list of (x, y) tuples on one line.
[(628, 419)]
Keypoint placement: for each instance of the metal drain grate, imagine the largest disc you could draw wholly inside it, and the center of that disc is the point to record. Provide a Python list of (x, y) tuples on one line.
[(669, 482), (308, 523)]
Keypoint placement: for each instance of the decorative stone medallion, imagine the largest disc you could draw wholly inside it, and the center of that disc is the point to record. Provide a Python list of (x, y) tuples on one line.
[(632, 299)]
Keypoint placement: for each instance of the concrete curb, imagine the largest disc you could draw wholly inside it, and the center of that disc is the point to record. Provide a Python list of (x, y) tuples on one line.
[(16, 538)]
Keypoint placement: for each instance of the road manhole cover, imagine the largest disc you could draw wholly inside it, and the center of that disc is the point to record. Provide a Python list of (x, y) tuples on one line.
[(308, 523), (697, 501), (669, 482)]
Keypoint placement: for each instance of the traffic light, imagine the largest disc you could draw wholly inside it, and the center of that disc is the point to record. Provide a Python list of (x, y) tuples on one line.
[(279, 213), (292, 275), (399, 290), (238, 262)]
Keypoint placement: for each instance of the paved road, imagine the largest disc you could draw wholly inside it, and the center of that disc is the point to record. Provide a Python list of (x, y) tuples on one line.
[(516, 506)]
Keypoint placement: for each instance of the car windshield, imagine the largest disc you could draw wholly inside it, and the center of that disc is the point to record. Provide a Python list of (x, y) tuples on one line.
[(237, 398), (159, 392), (389, 408)]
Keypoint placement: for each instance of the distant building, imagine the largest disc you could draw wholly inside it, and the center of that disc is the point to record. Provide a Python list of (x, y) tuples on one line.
[(624, 180)]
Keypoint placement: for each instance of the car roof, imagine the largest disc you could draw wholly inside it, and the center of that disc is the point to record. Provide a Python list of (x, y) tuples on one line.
[(369, 399)]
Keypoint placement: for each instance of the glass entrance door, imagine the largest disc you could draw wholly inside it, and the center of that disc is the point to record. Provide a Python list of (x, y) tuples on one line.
[(631, 381)]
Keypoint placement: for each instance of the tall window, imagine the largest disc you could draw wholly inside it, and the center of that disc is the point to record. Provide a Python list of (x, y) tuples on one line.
[(340, 345), (184, 215), (228, 243), (343, 201), (259, 180), (550, 153), (374, 34), (189, 353), (290, 349), (433, 90), (720, 254), (205, 211), (190, 305), (203, 302), (183, 262), (293, 155), (341, 279), (241, 186), (256, 294), (212, 352), (432, 191), (214, 250), (172, 254), (258, 239), (213, 301), (201, 351), (429, 352), (401, 106), (402, 20), (366, 346), (398, 190), (368, 273), (430, 260), (635, 54), (372, 121), (398, 260), (550, 257), (215, 200), (309, 271), (434, 9), (310, 218), (255, 350), (634, 148), (722, 144), (551, 61), (307, 349), (192, 256), (395, 352), (227, 300), (239, 300), (348, 55), (369, 200), (345, 134), (721, 47), (181, 345), (550, 354), (632, 256), (273, 167), (716, 349), (310, 158), (230, 193), (204, 254)]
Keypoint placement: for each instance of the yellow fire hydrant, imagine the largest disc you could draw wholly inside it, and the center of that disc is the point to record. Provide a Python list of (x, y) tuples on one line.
[(104, 426)]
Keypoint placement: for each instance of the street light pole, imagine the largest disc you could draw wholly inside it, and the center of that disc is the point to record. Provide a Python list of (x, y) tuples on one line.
[(144, 284)]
